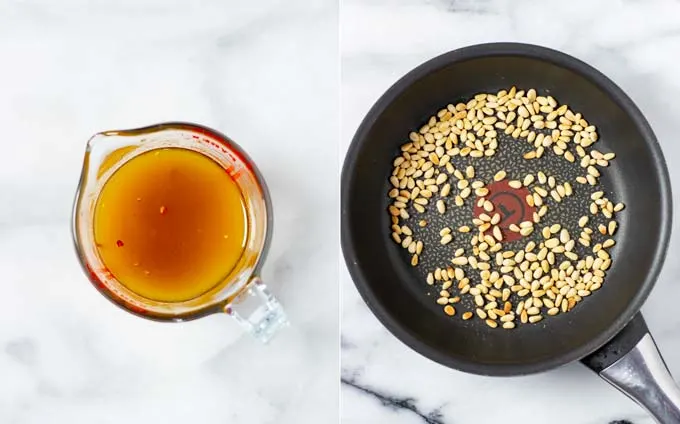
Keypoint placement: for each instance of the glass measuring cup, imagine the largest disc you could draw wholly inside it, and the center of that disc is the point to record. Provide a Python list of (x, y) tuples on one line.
[(242, 294)]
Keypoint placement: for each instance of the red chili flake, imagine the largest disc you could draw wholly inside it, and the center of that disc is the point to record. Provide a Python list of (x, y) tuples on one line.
[(120, 243)]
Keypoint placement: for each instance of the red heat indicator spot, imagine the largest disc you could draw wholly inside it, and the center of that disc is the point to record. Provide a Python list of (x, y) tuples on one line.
[(512, 206)]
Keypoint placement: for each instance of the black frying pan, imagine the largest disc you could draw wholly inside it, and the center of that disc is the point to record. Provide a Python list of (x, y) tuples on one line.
[(605, 331)]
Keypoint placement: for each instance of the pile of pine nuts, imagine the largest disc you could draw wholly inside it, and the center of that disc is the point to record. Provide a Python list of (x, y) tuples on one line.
[(546, 276)]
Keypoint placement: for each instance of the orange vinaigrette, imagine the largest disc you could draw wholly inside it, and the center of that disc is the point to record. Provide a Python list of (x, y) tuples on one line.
[(170, 224)]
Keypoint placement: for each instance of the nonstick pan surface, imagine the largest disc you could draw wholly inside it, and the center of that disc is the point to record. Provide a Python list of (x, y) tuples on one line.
[(397, 293)]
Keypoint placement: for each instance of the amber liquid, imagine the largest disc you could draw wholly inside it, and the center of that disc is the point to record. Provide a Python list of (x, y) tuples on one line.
[(170, 224)]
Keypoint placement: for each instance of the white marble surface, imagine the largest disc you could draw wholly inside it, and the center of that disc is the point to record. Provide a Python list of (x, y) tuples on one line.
[(265, 73), (635, 43)]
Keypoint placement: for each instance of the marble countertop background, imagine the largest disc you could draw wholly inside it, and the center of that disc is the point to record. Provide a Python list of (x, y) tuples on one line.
[(265, 73), (635, 43)]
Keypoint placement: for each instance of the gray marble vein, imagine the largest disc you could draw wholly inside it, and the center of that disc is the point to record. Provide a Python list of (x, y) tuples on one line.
[(396, 403)]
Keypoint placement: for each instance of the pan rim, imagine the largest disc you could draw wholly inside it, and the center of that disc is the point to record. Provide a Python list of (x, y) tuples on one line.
[(538, 53)]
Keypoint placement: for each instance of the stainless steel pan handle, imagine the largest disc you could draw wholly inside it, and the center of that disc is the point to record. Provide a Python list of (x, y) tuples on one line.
[(632, 363)]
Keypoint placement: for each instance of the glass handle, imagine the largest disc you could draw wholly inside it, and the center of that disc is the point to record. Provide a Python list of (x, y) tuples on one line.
[(258, 311)]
